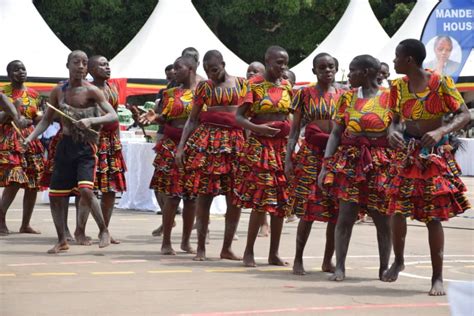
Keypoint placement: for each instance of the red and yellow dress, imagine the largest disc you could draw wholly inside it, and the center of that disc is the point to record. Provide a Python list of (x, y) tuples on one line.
[(168, 178), (211, 151), (261, 183), (358, 170), (307, 200), (110, 174), (18, 165), (426, 184)]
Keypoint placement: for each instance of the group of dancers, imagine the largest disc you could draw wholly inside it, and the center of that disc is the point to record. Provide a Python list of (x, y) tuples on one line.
[(366, 149)]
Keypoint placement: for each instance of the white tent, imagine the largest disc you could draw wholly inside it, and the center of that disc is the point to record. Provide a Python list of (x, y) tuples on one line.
[(173, 26), (357, 32), (411, 28), (468, 69), (27, 37)]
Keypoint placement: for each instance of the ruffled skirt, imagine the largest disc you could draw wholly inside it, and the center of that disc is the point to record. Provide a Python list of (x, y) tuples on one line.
[(111, 168)]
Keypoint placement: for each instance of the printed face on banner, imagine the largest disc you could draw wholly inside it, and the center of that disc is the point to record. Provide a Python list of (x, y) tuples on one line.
[(449, 36)]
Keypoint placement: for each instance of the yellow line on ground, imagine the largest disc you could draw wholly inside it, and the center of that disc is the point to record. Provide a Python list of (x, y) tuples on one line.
[(227, 270), (429, 267), (53, 273), (7, 274), (274, 269), (113, 273), (170, 271)]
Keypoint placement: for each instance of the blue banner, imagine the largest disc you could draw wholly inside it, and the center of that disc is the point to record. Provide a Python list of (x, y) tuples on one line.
[(448, 36)]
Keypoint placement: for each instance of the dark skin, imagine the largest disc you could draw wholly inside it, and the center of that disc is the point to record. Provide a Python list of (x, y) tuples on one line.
[(80, 95), (215, 70), (17, 76), (431, 132), (275, 63), (348, 211), (186, 77), (100, 72), (324, 69)]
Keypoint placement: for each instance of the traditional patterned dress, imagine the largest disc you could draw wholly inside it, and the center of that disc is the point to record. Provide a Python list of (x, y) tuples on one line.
[(168, 178), (111, 168), (261, 182), (358, 170), (211, 151), (18, 165), (426, 184), (307, 200)]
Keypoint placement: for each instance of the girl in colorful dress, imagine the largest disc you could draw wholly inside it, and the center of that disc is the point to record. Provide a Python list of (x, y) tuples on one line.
[(111, 169), (209, 146), (169, 178), (425, 184), (314, 105), (262, 184), (357, 160), (19, 167)]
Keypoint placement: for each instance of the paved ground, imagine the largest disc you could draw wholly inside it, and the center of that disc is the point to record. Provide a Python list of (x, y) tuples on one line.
[(134, 279)]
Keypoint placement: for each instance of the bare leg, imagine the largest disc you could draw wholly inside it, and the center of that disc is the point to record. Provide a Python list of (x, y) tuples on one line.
[(254, 224), (203, 205), (302, 235), (8, 196), (29, 201), (169, 212), (189, 213), (87, 203), (67, 232), (436, 240), (59, 207), (382, 224), (160, 199), (264, 228), (107, 205), (232, 217), (327, 265), (347, 216), (81, 222), (276, 224), (399, 233)]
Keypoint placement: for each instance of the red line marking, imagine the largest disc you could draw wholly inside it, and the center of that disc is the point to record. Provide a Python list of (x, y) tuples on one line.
[(321, 308)]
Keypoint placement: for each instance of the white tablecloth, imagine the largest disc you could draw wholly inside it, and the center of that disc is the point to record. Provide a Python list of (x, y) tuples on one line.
[(465, 157), (139, 157)]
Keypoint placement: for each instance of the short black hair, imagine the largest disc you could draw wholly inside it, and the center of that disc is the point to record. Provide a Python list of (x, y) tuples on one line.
[(336, 63), (191, 51), (414, 48), (368, 62), (74, 53), (382, 63), (188, 61), (169, 67), (11, 64), (213, 54), (274, 48), (92, 60), (321, 55)]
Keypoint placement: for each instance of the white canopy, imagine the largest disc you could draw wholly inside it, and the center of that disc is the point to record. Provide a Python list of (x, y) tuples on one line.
[(357, 32), (173, 26), (411, 28), (468, 69), (27, 37)]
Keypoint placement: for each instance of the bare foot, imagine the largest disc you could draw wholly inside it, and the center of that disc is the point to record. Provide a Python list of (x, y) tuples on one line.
[(114, 241), (157, 232), (61, 246), (437, 288), (264, 231), (68, 235), (82, 240), (391, 275), (276, 261), (4, 230), (229, 254), (200, 256), (167, 250), (328, 267), (186, 247), (338, 275), (104, 239), (29, 230), (249, 260), (298, 268)]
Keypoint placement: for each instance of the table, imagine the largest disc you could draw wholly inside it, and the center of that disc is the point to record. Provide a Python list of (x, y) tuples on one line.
[(465, 156), (139, 157)]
